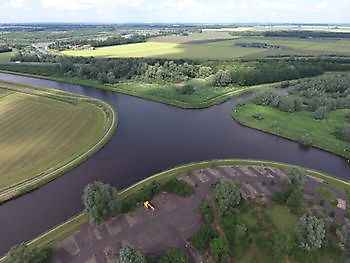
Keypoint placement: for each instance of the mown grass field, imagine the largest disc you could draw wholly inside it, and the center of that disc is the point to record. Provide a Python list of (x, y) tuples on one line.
[(41, 133), (322, 132), (5, 56), (174, 47)]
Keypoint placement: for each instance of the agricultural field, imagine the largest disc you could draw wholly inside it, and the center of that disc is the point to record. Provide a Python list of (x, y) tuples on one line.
[(216, 47), (43, 131)]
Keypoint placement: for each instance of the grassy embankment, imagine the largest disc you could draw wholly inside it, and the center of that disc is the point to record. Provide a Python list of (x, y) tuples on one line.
[(294, 125), (45, 133), (204, 96), (181, 48), (67, 228)]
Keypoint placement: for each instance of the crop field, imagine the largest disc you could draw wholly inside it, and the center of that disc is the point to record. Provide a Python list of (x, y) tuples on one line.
[(217, 47), (38, 134)]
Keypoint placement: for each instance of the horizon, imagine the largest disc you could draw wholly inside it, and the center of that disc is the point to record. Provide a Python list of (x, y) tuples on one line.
[(206, 11)]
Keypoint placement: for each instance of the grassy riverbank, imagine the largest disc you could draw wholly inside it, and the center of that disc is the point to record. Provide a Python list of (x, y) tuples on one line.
[(204, 95), (46, 133), (61, 231), (295, 125)]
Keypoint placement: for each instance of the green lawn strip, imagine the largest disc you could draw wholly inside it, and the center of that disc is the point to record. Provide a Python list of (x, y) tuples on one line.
[(65, 229), (282, 218), (294, 125), (110, 125)]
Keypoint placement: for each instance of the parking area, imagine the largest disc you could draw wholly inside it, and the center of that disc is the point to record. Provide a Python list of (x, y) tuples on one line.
[(176, 218)]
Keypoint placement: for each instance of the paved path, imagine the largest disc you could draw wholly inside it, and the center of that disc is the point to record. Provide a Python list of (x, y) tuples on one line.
[(176, 218)]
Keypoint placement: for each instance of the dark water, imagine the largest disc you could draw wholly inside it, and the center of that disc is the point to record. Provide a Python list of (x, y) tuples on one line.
[(151, 137)]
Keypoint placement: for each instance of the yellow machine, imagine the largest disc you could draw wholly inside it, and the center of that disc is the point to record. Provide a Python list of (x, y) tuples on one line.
[(148, 205)]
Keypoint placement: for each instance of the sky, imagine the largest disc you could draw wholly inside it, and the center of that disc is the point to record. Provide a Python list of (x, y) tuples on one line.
[(175, 11)]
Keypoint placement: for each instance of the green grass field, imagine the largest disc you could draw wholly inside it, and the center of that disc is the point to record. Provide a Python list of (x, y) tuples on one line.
[(5, 56), (173, 47), (299, 123), (41, 132)]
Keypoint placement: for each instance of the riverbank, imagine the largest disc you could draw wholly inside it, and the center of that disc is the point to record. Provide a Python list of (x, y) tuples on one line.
[(67, 228), (163, 93), (320, 133), (35, 107)]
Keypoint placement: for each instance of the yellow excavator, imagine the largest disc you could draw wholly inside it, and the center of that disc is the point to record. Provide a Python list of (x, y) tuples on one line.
[(149, 205)]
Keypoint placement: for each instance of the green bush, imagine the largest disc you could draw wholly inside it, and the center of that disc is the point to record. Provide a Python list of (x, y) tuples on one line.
[(220, 249), (176, 186), (207, 214), (202, 238), (173, 256), (185, 89)]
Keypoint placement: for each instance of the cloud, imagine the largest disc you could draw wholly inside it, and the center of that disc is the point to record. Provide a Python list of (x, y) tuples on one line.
[(17, 3)]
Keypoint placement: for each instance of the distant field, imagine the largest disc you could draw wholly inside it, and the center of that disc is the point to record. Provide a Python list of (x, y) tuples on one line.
[(39, 133), (5, 56), (194, 47)]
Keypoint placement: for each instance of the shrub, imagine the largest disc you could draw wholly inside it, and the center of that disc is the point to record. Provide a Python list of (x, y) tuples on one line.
[(220, 249), (205, 72), (258, 116), (173, 256), (332, 213), (129, 254), (306, 139), (185, 89), (227, 196), (343, 133), (265, 98), (222, 78), (207, 214), (295, 178), (287, 103), (23, 253), (100, 201), (202, 238), (176, 186), (320, 113), (295, 202), (310, 232)]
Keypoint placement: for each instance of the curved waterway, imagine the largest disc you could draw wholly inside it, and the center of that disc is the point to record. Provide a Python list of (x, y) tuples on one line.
[(151, 137)]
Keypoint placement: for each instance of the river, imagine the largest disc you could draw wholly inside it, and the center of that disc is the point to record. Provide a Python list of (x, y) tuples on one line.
[(151, 137)]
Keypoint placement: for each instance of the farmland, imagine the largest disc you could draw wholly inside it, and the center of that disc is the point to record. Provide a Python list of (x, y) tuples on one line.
[(214, 46), (41, 131)]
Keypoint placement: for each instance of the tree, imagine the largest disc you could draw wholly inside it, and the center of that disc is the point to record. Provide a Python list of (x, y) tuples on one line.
[(320, 113), (265, 98), (343, 133), (100, 201), (173, 256), (202, 238), (295, 178), (20, 253), (310, 232), (220, 249), (227, 196), (23, 253), (204, 72), (287, 103), (343, 234), (129, 254), (222, 78)]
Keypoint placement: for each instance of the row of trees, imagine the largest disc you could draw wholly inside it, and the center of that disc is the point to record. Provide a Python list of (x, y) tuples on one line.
[(110, 41)]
